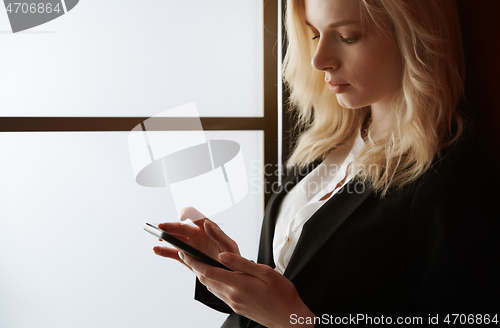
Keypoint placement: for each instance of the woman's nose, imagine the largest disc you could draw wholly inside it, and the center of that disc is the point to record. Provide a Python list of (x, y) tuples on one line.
[(324, 58)]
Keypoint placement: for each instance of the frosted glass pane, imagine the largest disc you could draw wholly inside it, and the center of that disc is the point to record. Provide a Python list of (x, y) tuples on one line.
[(72, 249), (136, 58)]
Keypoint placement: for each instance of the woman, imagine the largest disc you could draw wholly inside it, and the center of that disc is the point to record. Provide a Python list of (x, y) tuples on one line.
[(403, 225)]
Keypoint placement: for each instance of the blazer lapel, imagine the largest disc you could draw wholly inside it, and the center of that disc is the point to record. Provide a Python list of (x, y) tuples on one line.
[(267, 233), (321, 226)]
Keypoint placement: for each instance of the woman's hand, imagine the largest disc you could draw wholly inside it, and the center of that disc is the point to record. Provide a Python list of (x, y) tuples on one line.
[(255, 291), (205, 236)]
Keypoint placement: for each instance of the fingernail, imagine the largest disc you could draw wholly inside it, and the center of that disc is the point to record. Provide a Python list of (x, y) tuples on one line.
[(156, 249), (213, 226), (225, 257), (181, 255)]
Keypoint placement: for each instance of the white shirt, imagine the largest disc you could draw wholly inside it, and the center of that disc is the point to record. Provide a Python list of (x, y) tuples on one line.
[(304, 200)]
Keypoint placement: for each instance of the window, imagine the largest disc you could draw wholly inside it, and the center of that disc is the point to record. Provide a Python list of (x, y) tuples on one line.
[(71, 237)]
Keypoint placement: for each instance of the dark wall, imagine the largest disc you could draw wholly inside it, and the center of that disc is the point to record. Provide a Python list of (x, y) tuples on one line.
[(480, 20)]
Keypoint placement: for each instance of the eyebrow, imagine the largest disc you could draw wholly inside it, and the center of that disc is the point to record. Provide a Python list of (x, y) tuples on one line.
[(337, 24)]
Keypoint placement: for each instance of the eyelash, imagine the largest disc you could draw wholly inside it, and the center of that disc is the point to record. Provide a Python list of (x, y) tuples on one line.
[(346, 40)]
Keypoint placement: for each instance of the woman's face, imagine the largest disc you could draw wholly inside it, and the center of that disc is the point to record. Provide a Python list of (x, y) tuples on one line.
[(362, 65)]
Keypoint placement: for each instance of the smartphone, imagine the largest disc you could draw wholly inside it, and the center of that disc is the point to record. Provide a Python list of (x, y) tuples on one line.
[(180, 245)]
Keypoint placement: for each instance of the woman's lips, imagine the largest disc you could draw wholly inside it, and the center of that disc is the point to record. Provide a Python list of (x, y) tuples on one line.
[(337, 87)]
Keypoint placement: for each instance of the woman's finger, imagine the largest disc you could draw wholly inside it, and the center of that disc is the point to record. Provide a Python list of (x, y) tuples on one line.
[(191, 213), (166, 252), (235, 286), (216, 234), (179, 229), (213, 285), (171, 253), (240, 264), (206, 270)]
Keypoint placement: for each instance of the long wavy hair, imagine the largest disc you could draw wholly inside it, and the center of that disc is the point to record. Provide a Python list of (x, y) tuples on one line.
[(426, 119)]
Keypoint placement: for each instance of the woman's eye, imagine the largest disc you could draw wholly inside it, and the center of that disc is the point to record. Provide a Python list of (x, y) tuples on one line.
[(348, 40), (315, 37)]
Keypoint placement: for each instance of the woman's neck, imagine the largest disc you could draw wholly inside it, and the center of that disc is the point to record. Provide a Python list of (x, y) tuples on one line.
[(380, 120)]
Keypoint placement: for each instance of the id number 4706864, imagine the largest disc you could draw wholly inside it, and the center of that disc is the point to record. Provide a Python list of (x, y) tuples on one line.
[(40, 8), (478, 319)]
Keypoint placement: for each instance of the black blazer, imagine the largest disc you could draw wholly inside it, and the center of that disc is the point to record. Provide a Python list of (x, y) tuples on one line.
[(427, 249)]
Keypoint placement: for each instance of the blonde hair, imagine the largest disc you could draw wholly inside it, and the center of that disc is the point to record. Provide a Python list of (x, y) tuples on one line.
[(426, 119)]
